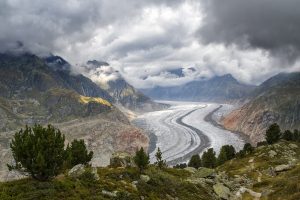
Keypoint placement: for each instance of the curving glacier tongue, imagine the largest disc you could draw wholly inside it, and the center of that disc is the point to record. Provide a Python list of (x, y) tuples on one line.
[(182, 131)]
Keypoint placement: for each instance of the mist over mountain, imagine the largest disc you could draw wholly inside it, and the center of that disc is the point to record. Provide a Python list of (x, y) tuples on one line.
[(219, 89), (123, 93)]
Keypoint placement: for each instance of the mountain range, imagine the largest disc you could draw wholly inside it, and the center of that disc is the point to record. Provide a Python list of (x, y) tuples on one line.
[(44, 90), (277, 100), (123, 93), (217, 89)]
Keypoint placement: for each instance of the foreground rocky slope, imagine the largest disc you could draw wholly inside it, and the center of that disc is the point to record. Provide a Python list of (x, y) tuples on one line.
[(270, 172), (277, 100)]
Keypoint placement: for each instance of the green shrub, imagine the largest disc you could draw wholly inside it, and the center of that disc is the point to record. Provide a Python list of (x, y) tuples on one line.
[(195, 161), (263, 143), (273, 134), (77, 153), (296, 135), (227, 152), (141, 159), (209, 158), (38, 151), (248, 148), (160, 163), (180, 166), (288, 135)]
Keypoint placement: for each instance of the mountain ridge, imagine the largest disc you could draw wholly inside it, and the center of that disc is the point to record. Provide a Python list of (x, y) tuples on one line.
[(217, 89), (124, 93), (33, 92), (276, 100)]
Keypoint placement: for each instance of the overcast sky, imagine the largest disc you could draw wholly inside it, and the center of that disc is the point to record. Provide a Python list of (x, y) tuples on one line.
[(144, 39)]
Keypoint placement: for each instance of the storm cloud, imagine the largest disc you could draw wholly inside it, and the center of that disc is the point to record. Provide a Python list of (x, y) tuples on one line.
[(145, 40), (45, 26), (273, 25)]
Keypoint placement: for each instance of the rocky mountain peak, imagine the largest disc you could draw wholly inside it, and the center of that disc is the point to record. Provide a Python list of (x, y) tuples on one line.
[(57, 63), (97, 63)]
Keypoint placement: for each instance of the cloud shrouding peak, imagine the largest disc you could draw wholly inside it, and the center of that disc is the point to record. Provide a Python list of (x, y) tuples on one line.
[(146, 40)]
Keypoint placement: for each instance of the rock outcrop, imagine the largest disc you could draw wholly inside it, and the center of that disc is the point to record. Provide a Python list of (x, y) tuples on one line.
[(277, 100), (222, 191), (121, 159), (123, 93)]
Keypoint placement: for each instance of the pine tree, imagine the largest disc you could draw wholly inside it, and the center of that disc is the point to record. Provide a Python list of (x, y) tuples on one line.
[(195, 161), (38, 151), (248, 148), (77, 153), (273, 134), (209, 158), (296, 135), (141, 159), (180, 166), (222, 158), (160, 163), (287, 135), (227, 152)]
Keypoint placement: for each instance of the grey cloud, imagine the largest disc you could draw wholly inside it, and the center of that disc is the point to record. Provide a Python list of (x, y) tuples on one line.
[(52, 25), (143, 39), (273, 25)]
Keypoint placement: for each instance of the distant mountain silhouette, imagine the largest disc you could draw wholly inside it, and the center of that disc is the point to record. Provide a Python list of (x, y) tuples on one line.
[(217, 89)]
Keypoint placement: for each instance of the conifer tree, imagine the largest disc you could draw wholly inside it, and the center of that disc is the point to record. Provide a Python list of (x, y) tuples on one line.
[(248, 148), (209, 158), (287, 135), (160, 163), (227, 152), (195, 161), (296, 135), (141, 159), (38, 151), (77, 153), (273, 134)]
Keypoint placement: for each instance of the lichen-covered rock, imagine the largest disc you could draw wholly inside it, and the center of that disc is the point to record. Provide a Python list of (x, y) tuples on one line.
[(109, 194), (203, 172), (293, 146), (95, 173), (191, 169), (144, 178), (281, 168), (76, 171), (272, 154), (242, 190), (222, 191), (121, 159)]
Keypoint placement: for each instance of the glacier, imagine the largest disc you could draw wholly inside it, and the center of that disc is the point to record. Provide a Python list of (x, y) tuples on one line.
[(182, 130)]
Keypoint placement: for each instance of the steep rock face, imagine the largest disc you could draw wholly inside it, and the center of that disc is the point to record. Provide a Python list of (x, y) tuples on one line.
[(123, 93), (129, 97), (32, 92), (217, 89), (77, 82), (275, 100)]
